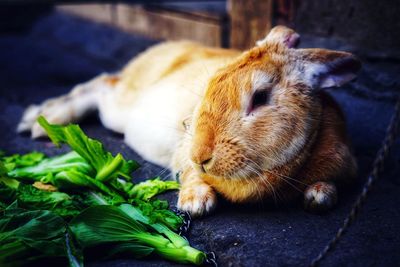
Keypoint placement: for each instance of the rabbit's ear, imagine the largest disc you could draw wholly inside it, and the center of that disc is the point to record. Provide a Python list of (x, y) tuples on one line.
[(322, 68), (281, 35)]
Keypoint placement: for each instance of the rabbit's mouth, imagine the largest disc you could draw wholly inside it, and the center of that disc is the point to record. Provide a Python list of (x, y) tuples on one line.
[(232, 166)]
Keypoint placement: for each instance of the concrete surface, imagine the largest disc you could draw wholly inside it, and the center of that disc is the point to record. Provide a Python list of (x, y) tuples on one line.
[(61, 51)]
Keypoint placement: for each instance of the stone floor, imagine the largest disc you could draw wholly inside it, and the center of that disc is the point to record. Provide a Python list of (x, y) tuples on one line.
[(61, 51)]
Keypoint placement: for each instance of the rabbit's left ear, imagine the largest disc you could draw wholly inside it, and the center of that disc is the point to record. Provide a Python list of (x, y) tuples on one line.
[(281, 35), (322, 68)]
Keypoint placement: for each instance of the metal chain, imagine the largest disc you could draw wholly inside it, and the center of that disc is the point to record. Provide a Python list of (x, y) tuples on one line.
[(211, 259), (184, 228), (391, 134)]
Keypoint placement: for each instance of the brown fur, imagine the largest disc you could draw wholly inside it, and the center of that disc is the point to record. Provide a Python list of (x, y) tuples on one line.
[(222, 147)]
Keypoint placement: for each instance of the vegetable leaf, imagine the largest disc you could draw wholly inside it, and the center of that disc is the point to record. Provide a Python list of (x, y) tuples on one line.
[(7, 194), (129, 249), (97, 200), (137, 214), (149, 188), (60, 203), (18, 161), (105, 224), (52, 166), (100, 224), (107, 167), (157, 211), (92, 198), (118, 250), (30, 235), (74, 254), (76, 180), (8, 188)]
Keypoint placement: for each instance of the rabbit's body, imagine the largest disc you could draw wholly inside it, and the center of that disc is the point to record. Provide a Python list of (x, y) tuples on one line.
[(246, 152)]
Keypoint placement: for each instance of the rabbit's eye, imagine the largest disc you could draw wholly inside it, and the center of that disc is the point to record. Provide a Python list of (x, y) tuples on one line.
[(260, 98)]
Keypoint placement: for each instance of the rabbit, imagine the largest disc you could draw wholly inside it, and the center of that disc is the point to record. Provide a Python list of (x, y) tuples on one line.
[(249, 126)]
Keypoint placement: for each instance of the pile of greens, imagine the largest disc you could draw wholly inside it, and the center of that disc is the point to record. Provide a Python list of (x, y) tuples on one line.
[(61, 208)]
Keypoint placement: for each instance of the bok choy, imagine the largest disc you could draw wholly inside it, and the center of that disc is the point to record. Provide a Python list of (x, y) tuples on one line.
[(65, 206)]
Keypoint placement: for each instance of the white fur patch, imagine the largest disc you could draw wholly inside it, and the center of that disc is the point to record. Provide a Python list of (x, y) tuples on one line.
[(312, 71), (320, 196), (296, 144), (154, 123), (318, 75), (201, 202), (259, 80), (262, 42)]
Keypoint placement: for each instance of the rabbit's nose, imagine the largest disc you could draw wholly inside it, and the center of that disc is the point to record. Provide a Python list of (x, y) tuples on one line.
[(203, 166), (204, 162), (202, 157)]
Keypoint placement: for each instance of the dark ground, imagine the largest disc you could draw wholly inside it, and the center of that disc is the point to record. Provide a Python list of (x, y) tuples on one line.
[(60, 52)]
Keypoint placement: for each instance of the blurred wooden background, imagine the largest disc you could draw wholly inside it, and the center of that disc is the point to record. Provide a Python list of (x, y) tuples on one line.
[(368, 26), (232, 23)]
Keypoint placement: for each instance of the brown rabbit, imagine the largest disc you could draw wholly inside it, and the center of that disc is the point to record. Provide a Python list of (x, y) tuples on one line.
[(250, 126)]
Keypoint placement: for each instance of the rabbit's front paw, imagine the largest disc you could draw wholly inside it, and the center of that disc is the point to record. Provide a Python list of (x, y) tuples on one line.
[(320, 197), (197, 199)]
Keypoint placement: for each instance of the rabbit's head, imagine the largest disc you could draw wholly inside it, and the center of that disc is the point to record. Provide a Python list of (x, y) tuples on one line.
[(260, 111)]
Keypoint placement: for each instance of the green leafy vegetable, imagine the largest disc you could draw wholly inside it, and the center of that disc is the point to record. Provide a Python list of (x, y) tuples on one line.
[(8, 188), (110, 250), (26, 236), (96, 192), (74, 253), (74, 180), (29, 197), (7, 195), (106, 166), (60, 203), (157, 211), (128, 249), (137, 214), (121, 186), (52, 166), (18, 161), (105, 224), (149, 188), (92, 198)]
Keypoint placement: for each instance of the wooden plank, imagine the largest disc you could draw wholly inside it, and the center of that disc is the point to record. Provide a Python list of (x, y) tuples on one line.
[(154, 23), (214, 10), (168, 25), (250, 20), (102, 13)]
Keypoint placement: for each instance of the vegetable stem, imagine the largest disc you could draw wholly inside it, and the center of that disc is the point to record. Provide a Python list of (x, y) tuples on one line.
[(104, 174)]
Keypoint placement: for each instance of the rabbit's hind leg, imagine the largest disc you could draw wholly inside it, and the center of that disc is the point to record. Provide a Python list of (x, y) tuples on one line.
[(82, 100)]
